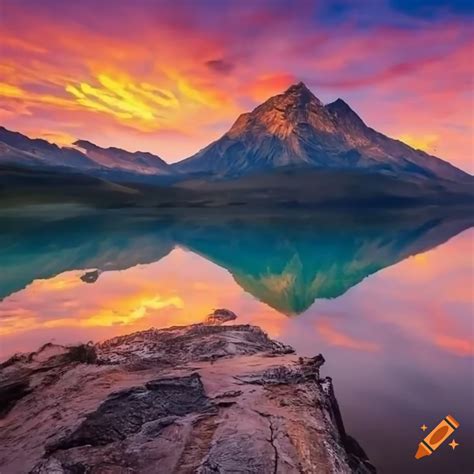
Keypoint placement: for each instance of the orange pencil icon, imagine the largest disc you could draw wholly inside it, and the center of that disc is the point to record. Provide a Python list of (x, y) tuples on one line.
[(437, 437)]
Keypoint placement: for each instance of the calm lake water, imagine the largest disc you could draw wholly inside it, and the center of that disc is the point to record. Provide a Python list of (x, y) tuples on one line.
[(386, 297)]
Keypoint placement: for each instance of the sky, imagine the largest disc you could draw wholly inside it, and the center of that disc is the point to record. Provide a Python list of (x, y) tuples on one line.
[(170, 77)]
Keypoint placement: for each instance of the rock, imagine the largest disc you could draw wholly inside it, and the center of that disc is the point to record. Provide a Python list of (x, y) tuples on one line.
[(180, 345), (200, 398), (220, 316), (126, 412), (90, 277), (11, 391)]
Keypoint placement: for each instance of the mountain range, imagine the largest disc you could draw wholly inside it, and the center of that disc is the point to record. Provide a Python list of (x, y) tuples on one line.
[(290, 142), (18, 149)]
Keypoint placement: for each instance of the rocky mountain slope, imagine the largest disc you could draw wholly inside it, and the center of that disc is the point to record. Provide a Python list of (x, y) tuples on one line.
[(202, 398), (116, 158), (295, 129), (20, 150)]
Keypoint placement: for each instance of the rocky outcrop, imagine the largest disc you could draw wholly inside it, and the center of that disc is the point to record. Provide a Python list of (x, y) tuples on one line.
[(90, 277), (220, 316), (204, 398)]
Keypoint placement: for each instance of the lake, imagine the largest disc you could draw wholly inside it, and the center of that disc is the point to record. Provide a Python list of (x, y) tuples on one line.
[(385, 296)]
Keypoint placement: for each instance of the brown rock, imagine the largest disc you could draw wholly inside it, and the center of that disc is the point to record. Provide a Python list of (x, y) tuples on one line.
[(220, 316), (198, 398)]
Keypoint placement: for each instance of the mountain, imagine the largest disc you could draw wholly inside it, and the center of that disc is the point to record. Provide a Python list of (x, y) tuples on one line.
[(291, 151), (19, 150), (295, 129), (289, 263), (137, 162)]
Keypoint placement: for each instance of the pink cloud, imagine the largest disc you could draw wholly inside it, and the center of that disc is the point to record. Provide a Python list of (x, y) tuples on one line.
[(404, 81), (336, 337)]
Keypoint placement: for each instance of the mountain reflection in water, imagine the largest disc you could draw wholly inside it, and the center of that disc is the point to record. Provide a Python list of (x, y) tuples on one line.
[(398, 344), (284, 262)]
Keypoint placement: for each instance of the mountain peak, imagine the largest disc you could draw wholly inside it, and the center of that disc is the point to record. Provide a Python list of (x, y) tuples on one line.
[(341, 103), (344, 114), (298, 87), (300, 93), (282, 115), (340, 106)]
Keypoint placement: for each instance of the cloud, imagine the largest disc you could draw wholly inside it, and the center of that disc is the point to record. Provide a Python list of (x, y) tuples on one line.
[(172, 72), (427, 142), (220, 65), (444, 323), (336, 337), (267, 85)]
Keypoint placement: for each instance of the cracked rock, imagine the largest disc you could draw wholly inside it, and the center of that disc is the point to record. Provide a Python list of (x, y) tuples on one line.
[(188, 399)]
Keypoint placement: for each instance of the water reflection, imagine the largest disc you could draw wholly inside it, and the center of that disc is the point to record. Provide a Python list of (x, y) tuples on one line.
[(286, 263), (399, 344)]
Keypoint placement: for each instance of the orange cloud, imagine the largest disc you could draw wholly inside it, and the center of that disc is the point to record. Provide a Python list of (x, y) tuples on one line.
[(405, 292), (61, 139), (455, 345), (173, 81), (447, 333), (425, 142), (268, 85)]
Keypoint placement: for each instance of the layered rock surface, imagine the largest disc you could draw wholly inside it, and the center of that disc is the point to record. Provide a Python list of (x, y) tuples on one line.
[(203, 398)]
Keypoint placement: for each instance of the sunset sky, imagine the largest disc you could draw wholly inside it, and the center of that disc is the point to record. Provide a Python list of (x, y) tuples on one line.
[(169, 77)]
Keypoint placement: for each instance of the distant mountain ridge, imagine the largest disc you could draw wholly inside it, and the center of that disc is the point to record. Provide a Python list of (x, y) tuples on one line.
[(138, 162), (18, 149), (296, 129)]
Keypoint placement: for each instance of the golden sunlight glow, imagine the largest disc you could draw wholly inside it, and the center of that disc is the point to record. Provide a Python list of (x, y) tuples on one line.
[(13, 92), (142, 105), (7, 90), (61, 139), (426, 142), (133, 299), (200, 96)]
